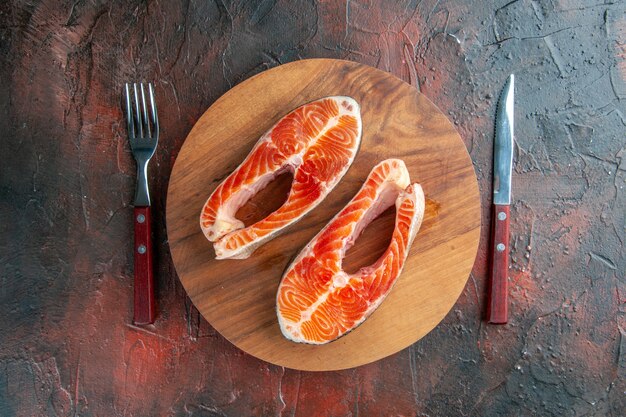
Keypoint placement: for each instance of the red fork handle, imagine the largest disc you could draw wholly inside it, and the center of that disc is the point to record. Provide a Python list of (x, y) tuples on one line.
[(144, 308), (498, 300)]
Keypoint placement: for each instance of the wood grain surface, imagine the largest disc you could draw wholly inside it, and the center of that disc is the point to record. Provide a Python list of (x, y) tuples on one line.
[(238, 296)]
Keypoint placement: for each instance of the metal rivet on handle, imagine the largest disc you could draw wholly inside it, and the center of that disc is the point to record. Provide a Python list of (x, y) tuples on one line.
[(501, 215), (141, 218), (500, 247), (141, 249)]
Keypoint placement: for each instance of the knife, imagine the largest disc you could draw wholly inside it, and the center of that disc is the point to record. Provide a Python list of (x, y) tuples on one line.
[(502, 167)]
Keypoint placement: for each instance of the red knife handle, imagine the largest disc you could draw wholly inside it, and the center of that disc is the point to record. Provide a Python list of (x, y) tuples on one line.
[(144, 308), (498, 303)]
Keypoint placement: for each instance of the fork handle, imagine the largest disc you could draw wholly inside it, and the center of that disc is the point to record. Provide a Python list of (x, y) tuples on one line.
[(144, 307)]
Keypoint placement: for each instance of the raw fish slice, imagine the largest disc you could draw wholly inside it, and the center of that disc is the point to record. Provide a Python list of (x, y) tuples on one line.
[(318, 302), (317, 142)]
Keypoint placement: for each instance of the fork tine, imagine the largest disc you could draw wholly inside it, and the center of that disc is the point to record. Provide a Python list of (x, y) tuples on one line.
[(129, 113), (155, 117), (137, 113), (146, 121)]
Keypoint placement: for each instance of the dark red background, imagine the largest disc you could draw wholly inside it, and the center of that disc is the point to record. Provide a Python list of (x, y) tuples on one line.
[(67, 177)]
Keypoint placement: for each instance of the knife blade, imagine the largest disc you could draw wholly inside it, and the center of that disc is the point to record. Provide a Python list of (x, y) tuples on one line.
[(502, 170), (503, 144)]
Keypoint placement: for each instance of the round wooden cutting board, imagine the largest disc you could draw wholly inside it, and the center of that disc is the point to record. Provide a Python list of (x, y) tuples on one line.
[(238, 297)]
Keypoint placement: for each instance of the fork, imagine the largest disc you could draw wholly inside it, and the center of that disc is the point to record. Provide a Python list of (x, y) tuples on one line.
[(143, 135)]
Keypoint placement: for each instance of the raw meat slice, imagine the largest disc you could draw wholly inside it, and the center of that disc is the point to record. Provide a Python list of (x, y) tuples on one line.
[(317, 142), (317, 301)]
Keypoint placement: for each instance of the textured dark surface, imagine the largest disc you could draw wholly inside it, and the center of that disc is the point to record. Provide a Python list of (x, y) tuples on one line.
[(67, 178)]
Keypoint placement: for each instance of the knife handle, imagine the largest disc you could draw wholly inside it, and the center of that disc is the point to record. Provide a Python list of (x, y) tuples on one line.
[(498, 303), (144, 308)]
